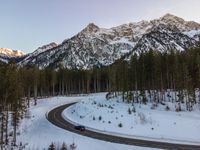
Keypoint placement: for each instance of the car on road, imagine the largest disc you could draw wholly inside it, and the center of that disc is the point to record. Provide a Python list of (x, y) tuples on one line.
[(80, 128)]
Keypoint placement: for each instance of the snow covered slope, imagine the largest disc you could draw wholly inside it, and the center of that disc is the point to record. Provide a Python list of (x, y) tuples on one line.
[(11, 53), (95, 46), (115, 117), (35, 132), (7, 54)]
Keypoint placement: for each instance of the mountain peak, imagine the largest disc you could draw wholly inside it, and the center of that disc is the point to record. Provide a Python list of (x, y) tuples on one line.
[(11, 53), (91, 27), (170, 17), (182, 24)]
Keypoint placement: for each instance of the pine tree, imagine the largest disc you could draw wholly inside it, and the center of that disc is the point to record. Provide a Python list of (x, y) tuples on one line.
[(52, 147), (64, 146)]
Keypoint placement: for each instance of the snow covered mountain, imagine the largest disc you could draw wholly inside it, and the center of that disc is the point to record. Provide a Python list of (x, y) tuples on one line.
[(32, 57), (95, 46), (7, 54)]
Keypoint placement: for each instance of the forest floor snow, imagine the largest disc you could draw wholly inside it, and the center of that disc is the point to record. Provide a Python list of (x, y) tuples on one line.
[(36, 132)]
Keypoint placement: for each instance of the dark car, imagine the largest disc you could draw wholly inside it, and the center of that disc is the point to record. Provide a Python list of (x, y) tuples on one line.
[(80, 128)]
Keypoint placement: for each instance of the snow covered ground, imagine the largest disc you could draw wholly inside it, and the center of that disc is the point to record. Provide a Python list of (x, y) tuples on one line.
[(36, 132), (138, 121)]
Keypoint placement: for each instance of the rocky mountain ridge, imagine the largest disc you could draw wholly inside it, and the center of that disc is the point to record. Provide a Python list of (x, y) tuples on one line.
[(95, 46)]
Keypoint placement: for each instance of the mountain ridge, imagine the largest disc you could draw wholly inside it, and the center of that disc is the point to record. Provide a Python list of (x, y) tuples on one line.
[(96, 46)]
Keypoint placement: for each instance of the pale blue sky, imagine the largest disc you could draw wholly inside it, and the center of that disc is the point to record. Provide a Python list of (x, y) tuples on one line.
[(28, 24)]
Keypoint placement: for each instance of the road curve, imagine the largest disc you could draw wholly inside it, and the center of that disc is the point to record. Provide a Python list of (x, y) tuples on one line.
[(55, 117)]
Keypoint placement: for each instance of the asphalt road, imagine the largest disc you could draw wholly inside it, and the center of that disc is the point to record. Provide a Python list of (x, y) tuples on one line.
[(55, 117)]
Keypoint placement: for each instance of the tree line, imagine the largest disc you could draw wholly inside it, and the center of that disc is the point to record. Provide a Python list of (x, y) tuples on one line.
[(150, 71)]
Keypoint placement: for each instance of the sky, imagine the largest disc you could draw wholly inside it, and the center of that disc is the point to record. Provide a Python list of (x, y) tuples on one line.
[(28, 24)]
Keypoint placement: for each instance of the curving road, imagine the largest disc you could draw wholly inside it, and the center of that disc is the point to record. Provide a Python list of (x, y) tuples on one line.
[(55, 117)]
